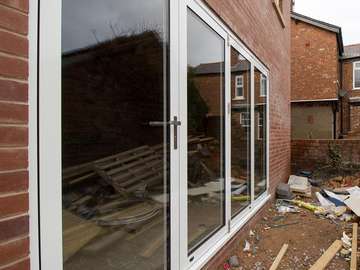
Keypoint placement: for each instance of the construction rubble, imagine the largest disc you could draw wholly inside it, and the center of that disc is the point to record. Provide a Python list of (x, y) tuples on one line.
[(312, 225)]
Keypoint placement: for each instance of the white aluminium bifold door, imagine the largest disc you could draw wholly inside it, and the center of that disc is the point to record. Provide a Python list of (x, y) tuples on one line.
[(203, 60), (108, 134)]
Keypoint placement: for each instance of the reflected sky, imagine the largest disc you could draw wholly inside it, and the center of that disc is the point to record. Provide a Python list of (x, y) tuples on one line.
[(87, 22), (200, 37)]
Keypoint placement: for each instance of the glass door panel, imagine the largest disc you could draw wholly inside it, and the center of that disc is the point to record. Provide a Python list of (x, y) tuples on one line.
[(260, 82), (114, 137), (240, 132), (206, 192)]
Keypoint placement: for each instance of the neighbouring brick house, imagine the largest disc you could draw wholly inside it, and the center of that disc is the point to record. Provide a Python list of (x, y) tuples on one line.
[(325, 76), (316, 101), (90, 97), (351, 83)]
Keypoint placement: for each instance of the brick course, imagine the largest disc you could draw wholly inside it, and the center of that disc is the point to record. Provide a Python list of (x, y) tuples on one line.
[(14, 198), (14, 250)]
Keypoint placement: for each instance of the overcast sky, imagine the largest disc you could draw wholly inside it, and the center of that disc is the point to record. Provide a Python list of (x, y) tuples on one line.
[(345, 13), (87, 22)]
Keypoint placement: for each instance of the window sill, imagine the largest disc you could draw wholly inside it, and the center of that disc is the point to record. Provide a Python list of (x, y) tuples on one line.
[(238, 98), (279, 13)]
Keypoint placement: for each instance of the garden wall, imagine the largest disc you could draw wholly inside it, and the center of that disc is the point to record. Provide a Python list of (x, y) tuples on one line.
[(308, 154)]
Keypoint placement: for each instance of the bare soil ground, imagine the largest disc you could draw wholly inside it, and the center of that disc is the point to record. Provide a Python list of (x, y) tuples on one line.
[(307, 235)]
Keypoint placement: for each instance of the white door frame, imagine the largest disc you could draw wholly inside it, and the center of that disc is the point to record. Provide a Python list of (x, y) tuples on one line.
[(50, 173), (49, 125), (50, 143)]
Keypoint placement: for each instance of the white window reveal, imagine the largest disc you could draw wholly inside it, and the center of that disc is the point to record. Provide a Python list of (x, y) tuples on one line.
[(356, 77), (263, 81), (239, 87)]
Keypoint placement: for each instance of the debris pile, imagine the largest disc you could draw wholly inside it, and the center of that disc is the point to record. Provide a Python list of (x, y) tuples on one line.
[(336, 204), (302, 197)]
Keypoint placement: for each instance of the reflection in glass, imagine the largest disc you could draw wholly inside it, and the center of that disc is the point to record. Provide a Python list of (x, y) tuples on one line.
[(205, 131), (115, 167), (260, 81), (240, 132)]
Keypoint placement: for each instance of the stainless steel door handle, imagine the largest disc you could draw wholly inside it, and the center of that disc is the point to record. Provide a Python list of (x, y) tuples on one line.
[(174, 122)]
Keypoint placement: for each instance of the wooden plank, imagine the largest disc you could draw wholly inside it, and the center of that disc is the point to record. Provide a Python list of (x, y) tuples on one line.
[(326, 258), (135, 180), (145, 228), (105, 241), (149, 182), (77, 233), (133, 164), (74, 169), (279, 257), (126, 159), (81, 178), (144, 168), (153, 247), (354, 247)]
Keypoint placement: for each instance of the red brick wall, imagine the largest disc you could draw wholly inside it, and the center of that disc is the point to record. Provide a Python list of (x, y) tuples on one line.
[(14, 221), (314, 62), (257, 25), (308, 154), (355, 119), (254, 21)]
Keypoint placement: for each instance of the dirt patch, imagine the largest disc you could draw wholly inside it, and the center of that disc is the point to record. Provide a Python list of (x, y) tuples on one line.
[(308, 237)]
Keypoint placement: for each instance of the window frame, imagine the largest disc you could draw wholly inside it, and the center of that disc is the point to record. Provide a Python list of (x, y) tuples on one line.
[(239, 86), (262, 78), (260, 125), (354, 74), (244, 120)]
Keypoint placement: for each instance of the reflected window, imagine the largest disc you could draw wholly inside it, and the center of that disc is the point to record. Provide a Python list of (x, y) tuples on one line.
[(356, 78), (240, 132), (260, 126), (245, 119), (239, 86), (263, 82), (261, 131)]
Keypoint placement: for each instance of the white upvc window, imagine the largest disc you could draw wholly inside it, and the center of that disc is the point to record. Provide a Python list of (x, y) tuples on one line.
[(245, 119), (263, 82), (239, 87), (356, 75)]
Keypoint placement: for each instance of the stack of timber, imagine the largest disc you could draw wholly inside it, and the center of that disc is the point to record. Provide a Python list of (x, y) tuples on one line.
[(112, 196)]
